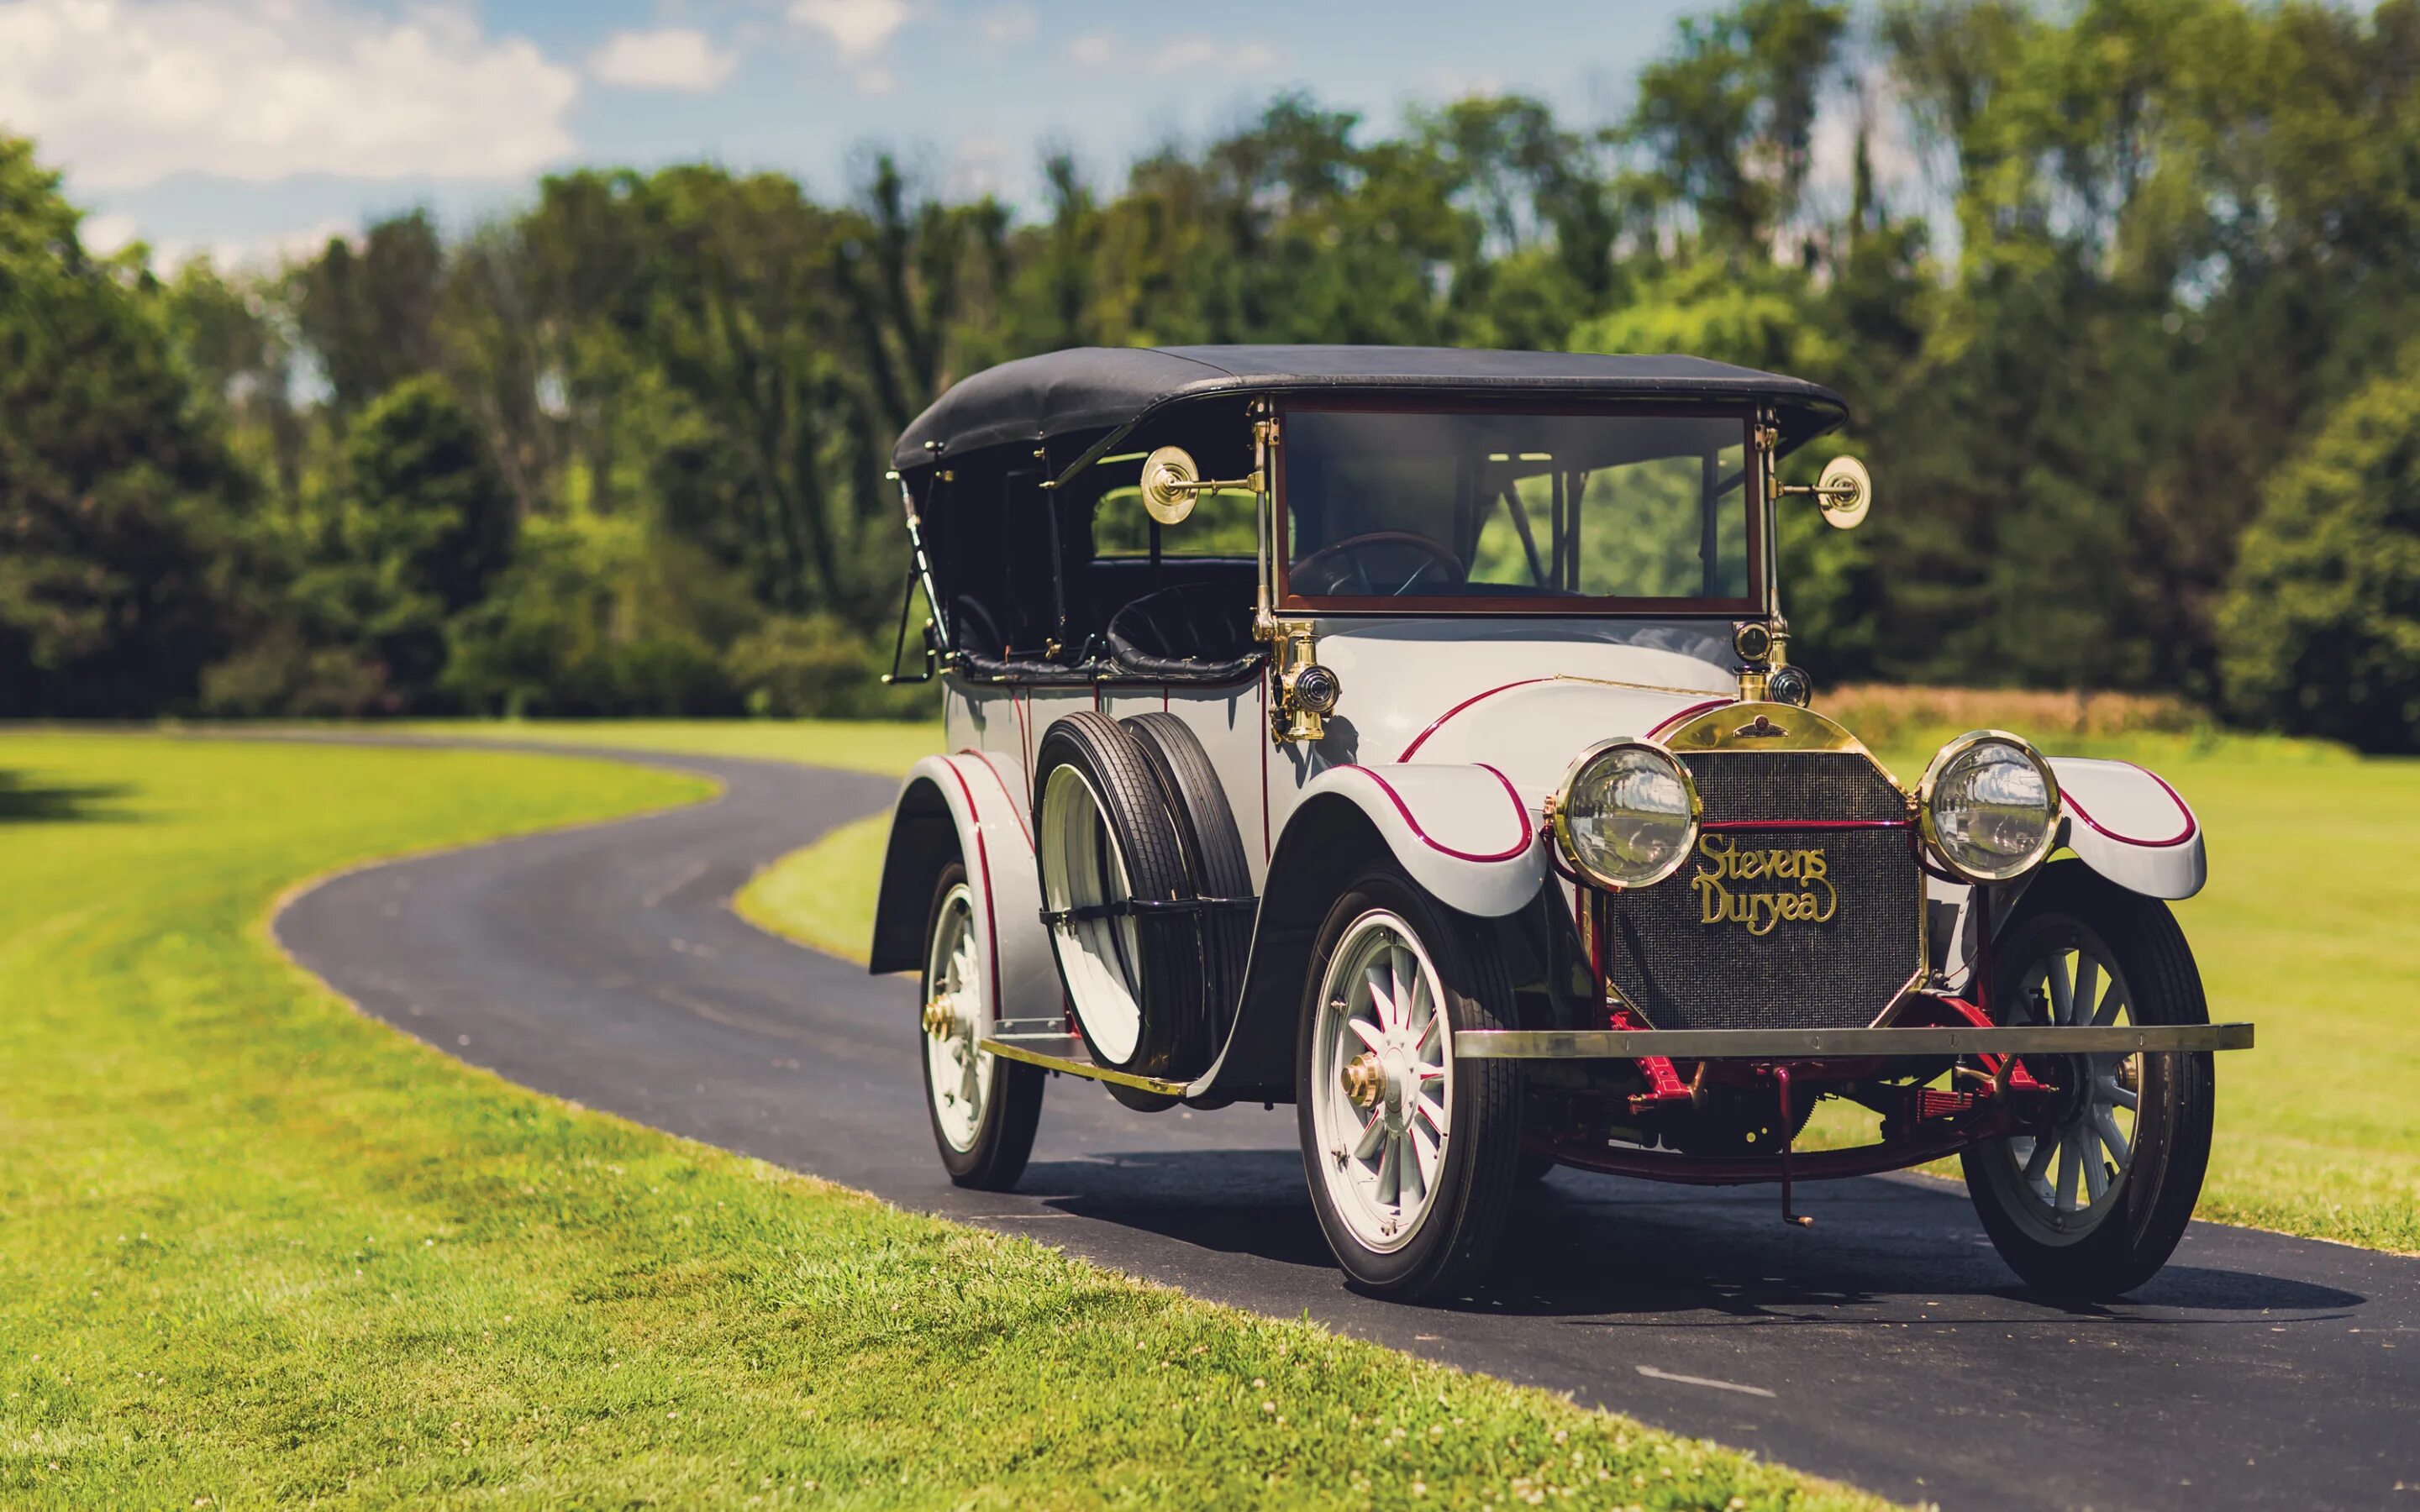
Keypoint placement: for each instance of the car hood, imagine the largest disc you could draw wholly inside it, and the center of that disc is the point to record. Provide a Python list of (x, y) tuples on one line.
[(1525, 706)]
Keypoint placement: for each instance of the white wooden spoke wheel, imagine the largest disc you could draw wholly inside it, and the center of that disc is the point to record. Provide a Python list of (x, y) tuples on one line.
[(1382, 1077), (960, 1076), (2068, 1177), (2090, 1202)]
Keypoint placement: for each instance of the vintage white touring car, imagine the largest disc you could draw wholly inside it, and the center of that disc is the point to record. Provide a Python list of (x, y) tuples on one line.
[(1408, 735)]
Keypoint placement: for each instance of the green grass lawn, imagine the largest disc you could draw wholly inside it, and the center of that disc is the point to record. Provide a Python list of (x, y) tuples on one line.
[(2310, 927), (256, 1248)]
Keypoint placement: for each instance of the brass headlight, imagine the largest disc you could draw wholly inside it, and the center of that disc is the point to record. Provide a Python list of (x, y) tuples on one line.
[(1627, 814), (1988, 807)]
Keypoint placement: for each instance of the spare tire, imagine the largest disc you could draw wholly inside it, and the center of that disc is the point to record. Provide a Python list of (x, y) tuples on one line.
[(1107, 852), (1220, 877)]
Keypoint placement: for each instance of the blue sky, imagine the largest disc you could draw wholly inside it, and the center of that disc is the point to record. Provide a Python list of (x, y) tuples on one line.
[(241, 126)]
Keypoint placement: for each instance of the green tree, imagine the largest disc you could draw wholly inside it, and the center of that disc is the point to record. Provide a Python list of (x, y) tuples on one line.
[(369, 312), (115, 483), (2320, 629), (1727, 119), (422, 529)]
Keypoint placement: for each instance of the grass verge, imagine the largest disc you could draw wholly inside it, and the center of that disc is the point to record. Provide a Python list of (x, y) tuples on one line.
[(823, 896), (254, 1248)]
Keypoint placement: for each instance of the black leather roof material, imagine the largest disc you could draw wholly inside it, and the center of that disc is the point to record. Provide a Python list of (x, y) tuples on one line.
[(1099, 389)]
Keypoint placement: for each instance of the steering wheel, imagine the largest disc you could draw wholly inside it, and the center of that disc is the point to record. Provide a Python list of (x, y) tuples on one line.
[(1329, 571)]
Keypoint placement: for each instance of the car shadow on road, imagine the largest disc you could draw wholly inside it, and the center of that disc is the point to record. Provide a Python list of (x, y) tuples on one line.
[(1610, 1251), (1233, 1201), (1878, 1251)]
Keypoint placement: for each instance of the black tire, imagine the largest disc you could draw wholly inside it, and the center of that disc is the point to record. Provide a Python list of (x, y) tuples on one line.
[(2146, 1211), (1453, 1243), (1215, 867), (1135, 982), (1004, 1135)]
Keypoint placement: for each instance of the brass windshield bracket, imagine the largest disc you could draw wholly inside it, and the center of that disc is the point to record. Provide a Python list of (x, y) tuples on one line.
[(1264, 445)]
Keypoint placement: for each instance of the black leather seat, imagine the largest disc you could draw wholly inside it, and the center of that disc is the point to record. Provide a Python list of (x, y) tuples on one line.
[(1194, 633), (982, 650)]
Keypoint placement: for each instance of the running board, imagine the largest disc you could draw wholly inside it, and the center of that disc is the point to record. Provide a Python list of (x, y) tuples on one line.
[(1804, 1044), (1065, 1052)]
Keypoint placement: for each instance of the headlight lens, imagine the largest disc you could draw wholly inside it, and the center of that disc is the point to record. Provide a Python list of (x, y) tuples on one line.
[(1627, 814), (1990, 806)]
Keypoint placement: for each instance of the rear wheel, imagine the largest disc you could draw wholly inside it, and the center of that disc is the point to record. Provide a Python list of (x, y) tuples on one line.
[(1411, 1155), (2092, 1203), (984, 1109)]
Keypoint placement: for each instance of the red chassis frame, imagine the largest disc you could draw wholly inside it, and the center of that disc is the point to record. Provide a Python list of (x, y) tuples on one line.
[(1933, 1124)]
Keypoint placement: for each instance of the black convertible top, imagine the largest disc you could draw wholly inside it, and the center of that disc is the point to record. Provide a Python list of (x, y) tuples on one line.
[(1107, 389)]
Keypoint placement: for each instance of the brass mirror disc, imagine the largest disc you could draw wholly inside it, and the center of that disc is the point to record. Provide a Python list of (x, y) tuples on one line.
[(1845, 510), (1164, 473)]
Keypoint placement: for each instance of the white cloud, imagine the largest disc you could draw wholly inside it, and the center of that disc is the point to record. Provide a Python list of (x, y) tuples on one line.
[(977, 167), (861, 29), (106, 234), (1181, 54), (674, 59), (267, 251), (1008, 24), (111, 231), (127, 92)]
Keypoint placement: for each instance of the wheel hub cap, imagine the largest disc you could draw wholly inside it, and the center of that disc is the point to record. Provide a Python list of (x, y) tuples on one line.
[(1363, 1081), (939, 1021)]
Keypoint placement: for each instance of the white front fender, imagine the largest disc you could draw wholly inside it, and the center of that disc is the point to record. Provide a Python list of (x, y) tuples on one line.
[(2131, 828), (1461, 832)]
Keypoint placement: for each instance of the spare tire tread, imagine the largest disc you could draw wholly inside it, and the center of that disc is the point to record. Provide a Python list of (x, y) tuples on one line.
[(1216, 866), (1169, 984)]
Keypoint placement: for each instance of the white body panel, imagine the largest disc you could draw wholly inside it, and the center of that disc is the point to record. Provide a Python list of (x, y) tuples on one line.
[(1522, 696), (984, 794), (1449, 737), (2130, 826)]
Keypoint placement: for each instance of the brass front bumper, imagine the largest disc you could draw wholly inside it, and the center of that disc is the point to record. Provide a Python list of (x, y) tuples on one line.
[(1805, 1044)]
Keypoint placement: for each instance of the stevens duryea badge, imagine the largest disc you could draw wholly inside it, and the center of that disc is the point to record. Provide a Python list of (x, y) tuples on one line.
[(1798, 891)]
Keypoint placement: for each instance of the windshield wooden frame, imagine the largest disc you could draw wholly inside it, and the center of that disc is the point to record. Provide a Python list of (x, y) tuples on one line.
[(1753, 491)]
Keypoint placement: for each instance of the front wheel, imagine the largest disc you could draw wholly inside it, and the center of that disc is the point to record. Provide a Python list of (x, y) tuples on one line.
[(2089, 1205), (984, 1109), (1411, 1156)]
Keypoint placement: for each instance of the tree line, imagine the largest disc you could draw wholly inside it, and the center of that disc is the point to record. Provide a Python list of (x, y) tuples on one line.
[(2119, 291)]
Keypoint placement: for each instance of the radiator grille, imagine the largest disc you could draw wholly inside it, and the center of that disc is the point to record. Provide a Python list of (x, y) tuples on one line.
[(1839, 970)]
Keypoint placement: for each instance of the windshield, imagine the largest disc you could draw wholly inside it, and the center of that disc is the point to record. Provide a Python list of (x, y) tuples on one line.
[(1519, 512)]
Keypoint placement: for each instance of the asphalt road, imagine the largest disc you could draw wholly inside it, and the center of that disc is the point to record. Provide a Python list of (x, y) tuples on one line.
[(1886, 1346)]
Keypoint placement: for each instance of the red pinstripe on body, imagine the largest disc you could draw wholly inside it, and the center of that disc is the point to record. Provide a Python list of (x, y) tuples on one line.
[(982, 859), (1690, 712), (2178, 838), (1016, 805), (1805, 824), (1439, 723), (1520, 811)]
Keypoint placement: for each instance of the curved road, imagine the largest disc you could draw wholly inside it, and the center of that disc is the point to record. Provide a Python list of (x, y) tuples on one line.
[(1886, 1346)]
